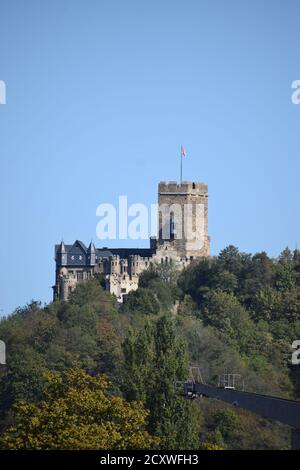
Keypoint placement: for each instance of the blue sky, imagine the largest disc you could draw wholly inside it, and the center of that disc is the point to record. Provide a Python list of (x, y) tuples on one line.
[(100, 95)]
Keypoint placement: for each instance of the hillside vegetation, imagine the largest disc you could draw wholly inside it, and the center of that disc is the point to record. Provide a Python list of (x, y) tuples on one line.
[(99, 375)]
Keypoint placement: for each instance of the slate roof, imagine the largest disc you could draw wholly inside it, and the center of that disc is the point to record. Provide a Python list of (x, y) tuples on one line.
[(107, 252), (126, 252)]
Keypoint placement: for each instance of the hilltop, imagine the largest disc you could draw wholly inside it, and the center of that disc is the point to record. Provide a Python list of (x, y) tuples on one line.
[(236, 312)]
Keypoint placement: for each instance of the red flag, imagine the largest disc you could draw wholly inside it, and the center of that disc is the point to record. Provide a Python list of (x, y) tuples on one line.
[(183, 153)]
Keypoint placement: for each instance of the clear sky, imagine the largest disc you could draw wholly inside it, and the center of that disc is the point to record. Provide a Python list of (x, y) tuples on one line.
[(100, 95)]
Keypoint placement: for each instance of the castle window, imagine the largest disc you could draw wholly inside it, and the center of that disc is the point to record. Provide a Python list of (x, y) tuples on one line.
[(172, 226), (194, 186)]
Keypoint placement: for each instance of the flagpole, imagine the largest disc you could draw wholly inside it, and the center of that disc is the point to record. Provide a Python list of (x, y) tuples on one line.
[(180, 166)]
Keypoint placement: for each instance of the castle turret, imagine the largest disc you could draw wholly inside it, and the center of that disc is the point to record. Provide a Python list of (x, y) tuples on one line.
[(115, 264), (91, 254), (61, 255)]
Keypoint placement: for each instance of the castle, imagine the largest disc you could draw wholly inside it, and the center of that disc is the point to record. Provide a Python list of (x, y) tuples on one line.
[(182, 237)]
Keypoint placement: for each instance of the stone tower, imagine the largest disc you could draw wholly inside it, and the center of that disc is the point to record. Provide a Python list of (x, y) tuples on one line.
[(183, 219)]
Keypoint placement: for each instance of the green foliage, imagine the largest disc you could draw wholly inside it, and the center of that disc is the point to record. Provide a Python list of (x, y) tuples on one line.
[(91, 293), (161, 279), (142, 301), (77, 412), (234, 313), (230, 428), (60, 336), (167, 273), (223, 311), (251, 303), (148, 275), (155, 359), (227, 422)]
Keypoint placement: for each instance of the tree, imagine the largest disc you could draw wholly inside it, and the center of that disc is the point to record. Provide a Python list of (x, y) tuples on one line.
[(277, 305), (161, 279), (224, 312), (286, 255), (148, 275), (266, 304), (197, 280), (231, 259), (91, 293), (142, 301), (231, 320), (155, 359), (187, 306), (76, 413), (256, 273), (139, 356), (227, 422), (285, 277)]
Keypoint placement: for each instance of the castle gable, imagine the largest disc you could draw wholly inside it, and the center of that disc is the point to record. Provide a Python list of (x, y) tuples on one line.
[(77, 254)]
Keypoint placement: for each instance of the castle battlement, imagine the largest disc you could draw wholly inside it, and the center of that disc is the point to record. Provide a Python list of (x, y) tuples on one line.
[(186, 187)]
